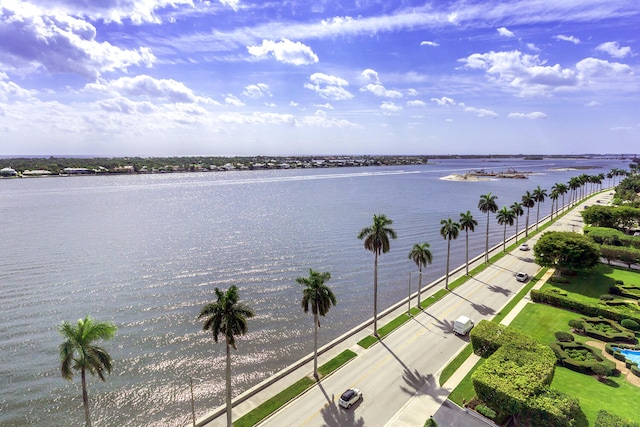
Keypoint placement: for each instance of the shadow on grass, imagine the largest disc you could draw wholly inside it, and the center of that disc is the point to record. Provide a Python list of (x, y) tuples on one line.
[(610, 383)]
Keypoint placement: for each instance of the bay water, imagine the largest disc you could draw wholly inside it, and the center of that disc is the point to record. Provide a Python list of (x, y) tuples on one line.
[(147, 251)]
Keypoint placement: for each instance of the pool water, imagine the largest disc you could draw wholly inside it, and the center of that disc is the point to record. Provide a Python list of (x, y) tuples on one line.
[(633, 355)]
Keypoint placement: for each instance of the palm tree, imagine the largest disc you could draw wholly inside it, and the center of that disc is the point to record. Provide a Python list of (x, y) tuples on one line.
[(574, 184), (539, 194), (421, 255), (488, 205), (449, 231), (505, 217), (317, 295), (528, 201), (554, 195), (227, 317), (376, 239), (80, 353), (517, 210), (467, 223), (561, 189)]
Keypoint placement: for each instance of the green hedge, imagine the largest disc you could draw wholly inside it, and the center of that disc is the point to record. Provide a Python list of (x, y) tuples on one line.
[(562, 349), (592, 331), (551, 408), (606, 419), (513, 375), (588, 309), (486, 337)]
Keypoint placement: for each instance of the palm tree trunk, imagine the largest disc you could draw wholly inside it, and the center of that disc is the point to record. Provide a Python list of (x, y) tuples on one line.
[(486, 254), (467, 251), (504, 238), (85, 399), (446, 282), (419, 286), (538, 216), (375, 295), (228, 378), (516, 229), (315, 345), (526, 233)]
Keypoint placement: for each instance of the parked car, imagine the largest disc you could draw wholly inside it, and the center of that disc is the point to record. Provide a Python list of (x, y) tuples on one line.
[(462, 325), (521, 277), (349, 397), (524, 247)]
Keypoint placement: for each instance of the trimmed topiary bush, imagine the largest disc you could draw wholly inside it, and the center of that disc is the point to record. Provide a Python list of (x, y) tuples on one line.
[(607, 297), (564, 336), (607, 330), (580, 357), (630, 324), (606, 419), (487, 412), (551, 408), (577, 324)]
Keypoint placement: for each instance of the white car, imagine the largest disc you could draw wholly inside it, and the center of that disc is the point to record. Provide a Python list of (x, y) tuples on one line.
[(524, 247), (521, 277), (350, 397)]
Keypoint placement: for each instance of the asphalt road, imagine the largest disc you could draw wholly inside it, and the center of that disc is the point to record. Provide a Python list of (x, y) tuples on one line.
[(407, 362)]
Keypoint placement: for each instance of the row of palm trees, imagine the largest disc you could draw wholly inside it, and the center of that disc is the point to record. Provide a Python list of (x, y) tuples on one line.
[(227, 316)]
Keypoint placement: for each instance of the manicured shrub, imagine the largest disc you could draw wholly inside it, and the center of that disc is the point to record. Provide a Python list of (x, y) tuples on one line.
[(607, 330), (600, 370), (607, 297), (431, 423), (619, 282), (614, 290), (576, 324), (486, 411), (630, 324), (580, 357), (563, 336), (606, 419), (551, 408)]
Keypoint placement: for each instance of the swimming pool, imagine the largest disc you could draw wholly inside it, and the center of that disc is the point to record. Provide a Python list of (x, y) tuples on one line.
[(633, 355)]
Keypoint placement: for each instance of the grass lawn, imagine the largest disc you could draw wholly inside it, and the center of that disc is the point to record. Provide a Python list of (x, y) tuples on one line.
[(541, 321)]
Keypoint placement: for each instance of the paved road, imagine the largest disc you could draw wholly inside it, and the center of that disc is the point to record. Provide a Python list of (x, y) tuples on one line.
[(403, 368)]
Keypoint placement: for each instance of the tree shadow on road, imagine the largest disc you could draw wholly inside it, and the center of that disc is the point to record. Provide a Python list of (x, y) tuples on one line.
[(422, 384), (499, 289), (334, 416), (483, 309)]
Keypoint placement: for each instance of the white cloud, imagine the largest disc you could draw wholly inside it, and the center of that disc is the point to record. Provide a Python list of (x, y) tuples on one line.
[(233, 100), (429, 43), (571, 39), (329, 87), (527, 73), (257, 91), (444, 101), (536, 115), (416, 103), (379, 90), (592, 103), (233, 4), (258, 119), (621, 128), (614, 49), (60, 43), (390, 107), (532, 47), (593, 67), (285, 51), (505, 33), (321, 119), (481, 112), (327, 106), (9, 89), (147, 87), (370, 75)]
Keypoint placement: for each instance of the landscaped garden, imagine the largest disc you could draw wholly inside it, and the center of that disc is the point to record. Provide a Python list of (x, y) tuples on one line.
[(589, 380)]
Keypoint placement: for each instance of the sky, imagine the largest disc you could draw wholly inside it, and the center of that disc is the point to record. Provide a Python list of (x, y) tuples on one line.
[(319, 77)]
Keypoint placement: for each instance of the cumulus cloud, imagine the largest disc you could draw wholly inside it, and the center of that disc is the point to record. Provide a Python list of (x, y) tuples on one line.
[(147, 87), (571, 39), (429, 43), (593, 67), (257, 91), (321, 119), (258, 118), (505, 33), (390, 107), (592, 103), (233, 4), (233, 100), (370, 75), (536, 115), (329, 87), (416, 103), (444, 101), (379, 90), (34, 38), (327, 106), (285, 51), (614, 49), (481, 112), (9, 89)]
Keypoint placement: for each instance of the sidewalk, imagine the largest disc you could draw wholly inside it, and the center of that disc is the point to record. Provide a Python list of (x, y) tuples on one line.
[(419, 407)]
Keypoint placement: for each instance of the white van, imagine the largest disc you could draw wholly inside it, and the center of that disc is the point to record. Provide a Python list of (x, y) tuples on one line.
[(462, 325)]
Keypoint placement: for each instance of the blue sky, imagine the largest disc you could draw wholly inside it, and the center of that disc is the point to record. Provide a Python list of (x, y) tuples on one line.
[(260, 77)]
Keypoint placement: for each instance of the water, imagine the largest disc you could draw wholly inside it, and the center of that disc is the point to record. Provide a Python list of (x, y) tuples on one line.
[(147, 251), (633, 355)]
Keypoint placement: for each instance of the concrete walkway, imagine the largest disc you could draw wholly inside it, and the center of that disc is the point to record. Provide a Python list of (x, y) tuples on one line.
[(419, 407)]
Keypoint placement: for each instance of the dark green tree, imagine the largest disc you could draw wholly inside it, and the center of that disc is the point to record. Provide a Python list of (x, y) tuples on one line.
[(319, 297), (376, 239), (226, 317), (79, 352), (566, 252)]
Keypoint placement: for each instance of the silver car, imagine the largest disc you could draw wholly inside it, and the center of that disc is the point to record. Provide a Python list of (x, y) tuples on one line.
[(521, 277)]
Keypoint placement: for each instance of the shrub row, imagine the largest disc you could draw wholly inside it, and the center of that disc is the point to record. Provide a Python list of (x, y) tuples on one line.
[(583, 366), (620, 253), (630, 291), (585, 308), (612, 237), (551, 408), (606, 419), (487, 337), (621, 334)]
